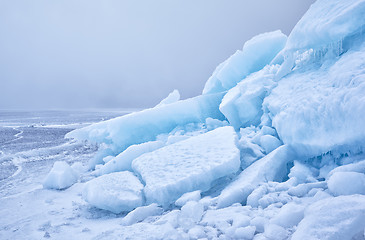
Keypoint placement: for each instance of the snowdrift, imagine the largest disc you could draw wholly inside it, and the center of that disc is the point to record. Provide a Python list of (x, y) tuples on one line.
[(295, 108)]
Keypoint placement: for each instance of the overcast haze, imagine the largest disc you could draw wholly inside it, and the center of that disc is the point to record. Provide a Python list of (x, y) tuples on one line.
[(115, 54)]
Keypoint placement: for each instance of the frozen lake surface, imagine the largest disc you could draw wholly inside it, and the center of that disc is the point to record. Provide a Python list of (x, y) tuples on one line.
[(30, 142)]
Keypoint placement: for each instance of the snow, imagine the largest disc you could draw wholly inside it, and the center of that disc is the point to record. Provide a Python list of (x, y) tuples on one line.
[(189, 165), (173, 97), (143, 126), (115, 192), (60, 177), (333, 218), (255, 54), (346, 183), (269, 168)]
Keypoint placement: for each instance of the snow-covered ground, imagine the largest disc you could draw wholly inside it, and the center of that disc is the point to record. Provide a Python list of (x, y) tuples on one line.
[(272, 149)]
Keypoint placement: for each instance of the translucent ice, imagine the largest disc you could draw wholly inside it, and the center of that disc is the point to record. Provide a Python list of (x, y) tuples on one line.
[(256, 53), (173, 97), (143, 126)]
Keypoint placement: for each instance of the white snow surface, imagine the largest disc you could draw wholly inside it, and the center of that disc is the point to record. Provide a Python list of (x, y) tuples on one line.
[(255, 54), (116, 192), (60, 177), (189, 165)]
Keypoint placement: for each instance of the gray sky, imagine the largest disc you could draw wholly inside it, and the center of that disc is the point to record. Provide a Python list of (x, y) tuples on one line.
[(131, 53)]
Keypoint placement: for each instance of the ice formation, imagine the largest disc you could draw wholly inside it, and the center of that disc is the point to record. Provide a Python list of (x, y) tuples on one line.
[(272, 149), (143, 126), (256, 53), (60, 177), (189, 165), (116, 192)]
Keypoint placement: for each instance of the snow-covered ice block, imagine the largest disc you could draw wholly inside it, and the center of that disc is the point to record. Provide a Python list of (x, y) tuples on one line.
[(173, 97), (289, 215), (60, 177), (123, 161), (322, 109), (333, 218), (242, 105), (141, 213), (326, 22), (192, 210), (346, 183), (269, 168), (116, 192), (144, 126), (256, 53), (189, 165), (186, 197), (353, 167)]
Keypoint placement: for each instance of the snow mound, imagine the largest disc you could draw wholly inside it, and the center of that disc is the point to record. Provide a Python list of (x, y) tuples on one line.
[(60, 177), (186, 197), (333, 218), (256, 53), (189, 165), (144, 126), (269, 168), (326, 22), (115, 192)]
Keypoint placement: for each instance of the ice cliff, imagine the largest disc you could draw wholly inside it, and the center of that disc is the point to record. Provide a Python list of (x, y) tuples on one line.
[(266, 152)]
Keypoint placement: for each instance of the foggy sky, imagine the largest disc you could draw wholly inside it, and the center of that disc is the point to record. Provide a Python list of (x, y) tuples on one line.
[(131, 53)]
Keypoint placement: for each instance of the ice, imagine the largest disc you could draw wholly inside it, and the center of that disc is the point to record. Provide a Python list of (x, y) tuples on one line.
[(326, 22), (141, 213), (123, 161), (115, 192), (346, 183), (301, 172), (290, 215), (269, 143), (189, 165), (256, 53), (60, 177), (245, 232), (144, 126), (191, 196), (321, 109), (333, 218), (271, 167), (192, 210), (173, 97), (275, 232), (353, 167), (242, 105)]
